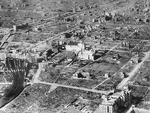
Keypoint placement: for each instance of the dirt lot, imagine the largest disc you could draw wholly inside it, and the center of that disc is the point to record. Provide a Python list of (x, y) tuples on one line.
[(35, 98), (143, 75), (122, 57), (146, 102)]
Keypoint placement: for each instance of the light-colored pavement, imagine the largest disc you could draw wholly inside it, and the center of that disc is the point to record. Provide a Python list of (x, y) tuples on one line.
[(73, 87), (55, 85), (6, 83), (101, 83), (113, 74), (36, 76), (134, 71)]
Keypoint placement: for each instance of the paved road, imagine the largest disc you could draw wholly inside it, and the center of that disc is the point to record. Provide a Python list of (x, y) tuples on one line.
[(101, 83), (133, 72), (35, 80), (6, 83), (55, 85), (56, 36), (36, 76), (71, 29), (73, 87), (113, 74)]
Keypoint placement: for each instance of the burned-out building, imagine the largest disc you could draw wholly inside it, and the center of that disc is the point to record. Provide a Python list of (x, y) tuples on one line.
[(115, 103), (81, 51), (77, 47)]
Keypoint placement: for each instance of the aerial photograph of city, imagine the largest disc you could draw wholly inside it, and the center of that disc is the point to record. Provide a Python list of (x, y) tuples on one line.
[(74, 56)]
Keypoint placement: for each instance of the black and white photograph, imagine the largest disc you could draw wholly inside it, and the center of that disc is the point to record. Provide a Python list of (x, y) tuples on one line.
[(74, 56)]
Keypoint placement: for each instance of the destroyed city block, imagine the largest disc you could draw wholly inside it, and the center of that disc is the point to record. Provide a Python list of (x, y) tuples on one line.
[(74, 56)]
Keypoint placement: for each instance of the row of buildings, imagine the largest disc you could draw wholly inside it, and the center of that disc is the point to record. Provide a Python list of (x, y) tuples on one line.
[(115, 103)]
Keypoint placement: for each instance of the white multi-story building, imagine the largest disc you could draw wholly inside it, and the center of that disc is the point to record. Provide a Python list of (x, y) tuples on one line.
[(86, 55), (80, 50), (75, 48)]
